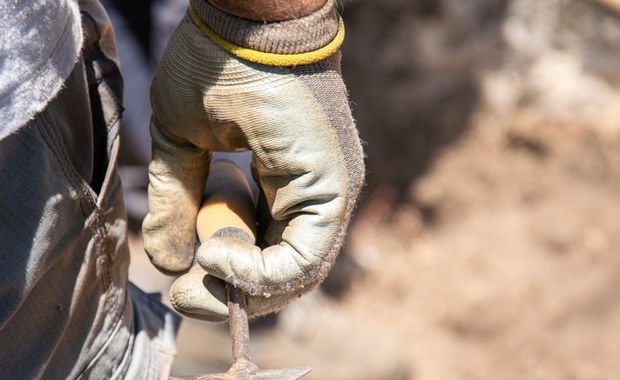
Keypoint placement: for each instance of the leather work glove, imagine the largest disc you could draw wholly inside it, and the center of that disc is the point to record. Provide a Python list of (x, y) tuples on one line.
[(231, 84)]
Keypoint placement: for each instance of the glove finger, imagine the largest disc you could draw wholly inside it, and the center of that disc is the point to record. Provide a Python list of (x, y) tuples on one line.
[(177, 174), (197, 294), (266, 273)]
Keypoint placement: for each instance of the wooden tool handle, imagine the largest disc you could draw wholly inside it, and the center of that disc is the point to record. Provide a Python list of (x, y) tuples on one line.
[(228, 202)]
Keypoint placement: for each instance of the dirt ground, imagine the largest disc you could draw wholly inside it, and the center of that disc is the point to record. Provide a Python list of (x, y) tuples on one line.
[(510, 269)]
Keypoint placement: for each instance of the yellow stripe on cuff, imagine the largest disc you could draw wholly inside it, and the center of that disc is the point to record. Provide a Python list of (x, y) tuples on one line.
[(271, 59)]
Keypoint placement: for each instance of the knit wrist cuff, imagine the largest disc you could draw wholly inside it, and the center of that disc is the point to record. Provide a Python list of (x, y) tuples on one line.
[(285, 43)]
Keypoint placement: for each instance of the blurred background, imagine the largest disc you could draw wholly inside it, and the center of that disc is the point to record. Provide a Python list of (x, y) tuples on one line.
[(486, 242)]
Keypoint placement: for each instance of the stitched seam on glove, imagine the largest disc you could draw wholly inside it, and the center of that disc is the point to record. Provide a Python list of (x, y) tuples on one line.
[(288, 43)]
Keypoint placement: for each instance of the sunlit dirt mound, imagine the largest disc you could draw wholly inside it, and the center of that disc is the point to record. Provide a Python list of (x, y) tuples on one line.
[(490, 228)]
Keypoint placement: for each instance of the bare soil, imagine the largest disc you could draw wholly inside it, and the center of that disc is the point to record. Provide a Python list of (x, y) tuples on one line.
[(509, 266)]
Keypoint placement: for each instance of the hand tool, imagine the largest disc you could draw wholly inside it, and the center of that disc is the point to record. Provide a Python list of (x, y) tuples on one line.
[(228, 211)]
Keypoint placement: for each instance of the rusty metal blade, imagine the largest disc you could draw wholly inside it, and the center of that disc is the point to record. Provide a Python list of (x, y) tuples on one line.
[(281, 374), (268, 374)]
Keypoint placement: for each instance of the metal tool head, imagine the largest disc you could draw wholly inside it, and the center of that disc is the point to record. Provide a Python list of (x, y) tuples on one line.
[(268, 374)]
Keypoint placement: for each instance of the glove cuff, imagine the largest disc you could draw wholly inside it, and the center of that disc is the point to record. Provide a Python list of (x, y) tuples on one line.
[(304, 40)]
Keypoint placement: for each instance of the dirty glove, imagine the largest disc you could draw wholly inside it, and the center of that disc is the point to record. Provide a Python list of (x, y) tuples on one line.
[(230, 84)]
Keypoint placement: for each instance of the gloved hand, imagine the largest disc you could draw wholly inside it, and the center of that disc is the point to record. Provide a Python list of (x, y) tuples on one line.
[(229, 84)]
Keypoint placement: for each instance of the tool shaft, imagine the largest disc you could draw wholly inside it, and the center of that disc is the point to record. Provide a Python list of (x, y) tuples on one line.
[(238, 321), (228, 211)]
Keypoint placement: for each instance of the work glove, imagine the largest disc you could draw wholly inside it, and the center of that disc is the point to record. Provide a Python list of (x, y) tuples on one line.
[(230, 84)]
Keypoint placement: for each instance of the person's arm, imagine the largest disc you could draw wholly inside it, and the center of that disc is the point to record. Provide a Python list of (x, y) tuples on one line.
[(228, 83), (268, 10)]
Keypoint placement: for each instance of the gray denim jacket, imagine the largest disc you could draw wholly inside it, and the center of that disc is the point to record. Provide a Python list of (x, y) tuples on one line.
[(67, 310)]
